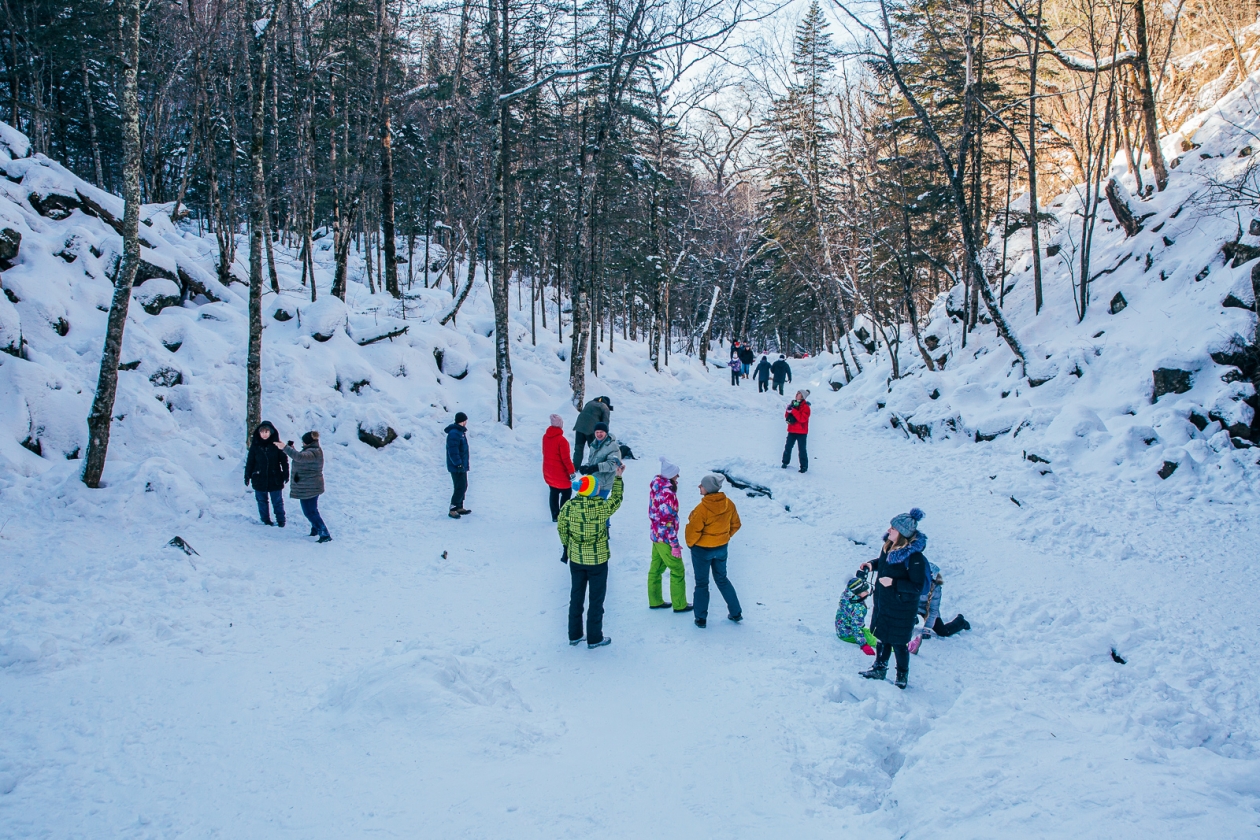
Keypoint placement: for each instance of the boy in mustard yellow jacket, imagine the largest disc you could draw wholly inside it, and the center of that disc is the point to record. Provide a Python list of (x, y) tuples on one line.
[(709, 528)]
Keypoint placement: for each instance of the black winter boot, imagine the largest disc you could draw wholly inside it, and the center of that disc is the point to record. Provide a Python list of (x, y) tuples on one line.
[(878, 671), (902, 678)]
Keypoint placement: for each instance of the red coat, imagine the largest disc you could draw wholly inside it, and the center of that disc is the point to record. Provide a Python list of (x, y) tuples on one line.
[(557, 463), (798, 419)]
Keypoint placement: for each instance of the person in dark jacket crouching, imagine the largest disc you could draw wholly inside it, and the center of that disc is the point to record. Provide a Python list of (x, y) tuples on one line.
[(268, 468), (900, 573), (308, 481), (457, 463)]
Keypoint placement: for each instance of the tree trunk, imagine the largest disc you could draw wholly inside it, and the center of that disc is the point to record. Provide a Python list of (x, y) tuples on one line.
[(1149, 119), (91, 116), (390, 263), (258, 46), (502, 164), (1034, 209), (107, 383)]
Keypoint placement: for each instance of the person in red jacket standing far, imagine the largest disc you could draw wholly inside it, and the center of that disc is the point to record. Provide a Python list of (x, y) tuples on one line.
[(797, 416), (557, 465)]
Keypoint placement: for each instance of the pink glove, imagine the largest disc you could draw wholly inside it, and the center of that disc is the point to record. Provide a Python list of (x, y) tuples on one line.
[(868, 650), (913, 647), (676, 551)]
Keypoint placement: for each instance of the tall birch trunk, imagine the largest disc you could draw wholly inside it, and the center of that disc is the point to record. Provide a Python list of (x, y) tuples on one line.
[(107, 383)]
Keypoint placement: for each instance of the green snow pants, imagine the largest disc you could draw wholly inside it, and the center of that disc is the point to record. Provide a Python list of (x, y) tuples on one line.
[(662, 559)]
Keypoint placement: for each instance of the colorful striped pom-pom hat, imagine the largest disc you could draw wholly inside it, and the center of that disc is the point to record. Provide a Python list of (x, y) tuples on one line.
[(585, 485)]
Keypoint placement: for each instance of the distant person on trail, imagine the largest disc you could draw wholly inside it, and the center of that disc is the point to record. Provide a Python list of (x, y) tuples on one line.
[(666, 552), (709, 529), (781, 371), (763, 375), (734, 349), (736, 367), (457, 463), (797, 416), (583, 528), (900, 573), (557, 467), (603, 460), (598, 410), (268, 468), (308, 481), (746, 358)]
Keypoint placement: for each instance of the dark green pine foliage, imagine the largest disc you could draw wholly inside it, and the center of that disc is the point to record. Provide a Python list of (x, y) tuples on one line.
[(799, 256)]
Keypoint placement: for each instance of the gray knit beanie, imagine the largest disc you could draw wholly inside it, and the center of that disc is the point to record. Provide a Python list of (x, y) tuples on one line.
[(711, 483), (907, 524)]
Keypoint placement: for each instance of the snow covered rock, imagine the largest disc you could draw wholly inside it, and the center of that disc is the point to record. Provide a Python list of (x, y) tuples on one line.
[(157, 294), (324, 318)]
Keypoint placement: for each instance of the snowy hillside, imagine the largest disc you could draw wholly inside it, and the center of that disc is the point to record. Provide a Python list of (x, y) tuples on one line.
[(1157, 381), (362, 371)]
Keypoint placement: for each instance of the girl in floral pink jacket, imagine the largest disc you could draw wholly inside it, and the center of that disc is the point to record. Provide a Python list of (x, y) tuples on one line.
[(666, 550)]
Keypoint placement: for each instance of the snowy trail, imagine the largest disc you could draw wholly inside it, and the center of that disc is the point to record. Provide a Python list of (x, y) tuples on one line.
[(371, 686)]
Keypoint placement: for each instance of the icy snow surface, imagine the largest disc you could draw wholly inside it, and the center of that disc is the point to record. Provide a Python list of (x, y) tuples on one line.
[(412, 677)]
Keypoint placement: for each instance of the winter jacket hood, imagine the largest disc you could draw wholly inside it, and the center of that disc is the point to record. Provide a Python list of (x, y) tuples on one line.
[(713, 522), (308, 471), (557, 464), (456, 448), (663, 511), (781, 371), (797, 416), (266, 467)]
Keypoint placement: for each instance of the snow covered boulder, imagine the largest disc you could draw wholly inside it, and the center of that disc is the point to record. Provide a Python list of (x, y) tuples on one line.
[(13, 143), (156, 294), (375, 429), (10, 242), (451, 362), (10, 329), (371, 327), (324, 318), (836, 379), (1171, 381)]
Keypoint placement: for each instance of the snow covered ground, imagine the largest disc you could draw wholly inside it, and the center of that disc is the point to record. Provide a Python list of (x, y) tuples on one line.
[(269, 687)]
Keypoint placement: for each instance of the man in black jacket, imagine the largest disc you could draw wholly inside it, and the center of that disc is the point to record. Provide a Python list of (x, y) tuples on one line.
[(268, 468), (763, 375), (598, 410), (781, 371), (746, 357)]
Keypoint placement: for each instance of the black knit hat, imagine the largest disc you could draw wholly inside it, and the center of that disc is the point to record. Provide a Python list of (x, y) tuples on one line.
[(601, 427), (460, 417)]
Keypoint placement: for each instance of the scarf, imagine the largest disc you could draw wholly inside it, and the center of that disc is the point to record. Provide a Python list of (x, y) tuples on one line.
[(901, 555)]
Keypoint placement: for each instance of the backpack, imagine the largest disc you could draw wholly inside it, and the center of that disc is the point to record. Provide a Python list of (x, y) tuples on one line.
[(627, 452), (931, 579)]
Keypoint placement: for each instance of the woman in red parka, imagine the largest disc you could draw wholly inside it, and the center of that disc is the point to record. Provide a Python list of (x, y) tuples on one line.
[(557, 465)]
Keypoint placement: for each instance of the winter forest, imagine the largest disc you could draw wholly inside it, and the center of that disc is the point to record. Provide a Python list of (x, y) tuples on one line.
[(998, 262)]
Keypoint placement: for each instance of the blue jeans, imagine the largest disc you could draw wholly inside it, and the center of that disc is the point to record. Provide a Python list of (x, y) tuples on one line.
[(702, 560), (277, 502), (310, 507)]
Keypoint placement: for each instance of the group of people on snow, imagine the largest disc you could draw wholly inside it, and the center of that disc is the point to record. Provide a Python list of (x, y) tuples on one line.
[(267, 469), (767, 375), (586, 489)]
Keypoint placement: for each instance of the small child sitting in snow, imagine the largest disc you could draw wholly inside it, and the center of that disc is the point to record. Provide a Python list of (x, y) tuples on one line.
[(851, 614)]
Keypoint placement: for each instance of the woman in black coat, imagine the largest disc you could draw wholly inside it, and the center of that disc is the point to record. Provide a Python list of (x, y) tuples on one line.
[(900, 573), (267, 468)]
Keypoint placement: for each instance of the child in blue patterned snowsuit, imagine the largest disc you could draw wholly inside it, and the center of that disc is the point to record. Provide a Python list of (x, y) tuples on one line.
[(851, 615)]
